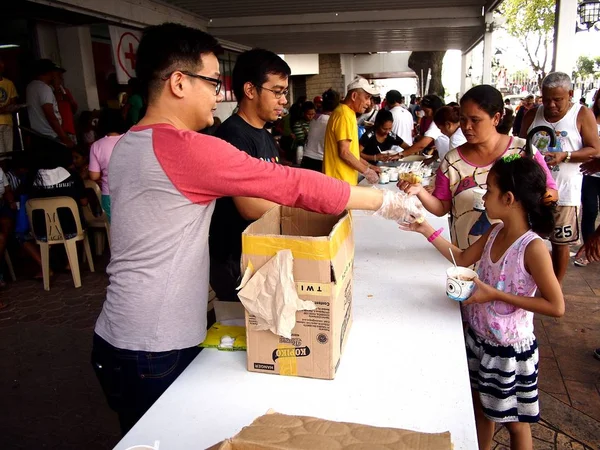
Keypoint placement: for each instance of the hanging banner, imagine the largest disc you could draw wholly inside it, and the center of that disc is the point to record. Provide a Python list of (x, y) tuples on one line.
[(124, 46)]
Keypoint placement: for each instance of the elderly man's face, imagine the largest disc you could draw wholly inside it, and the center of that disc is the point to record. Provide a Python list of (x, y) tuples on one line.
[(556, 101)]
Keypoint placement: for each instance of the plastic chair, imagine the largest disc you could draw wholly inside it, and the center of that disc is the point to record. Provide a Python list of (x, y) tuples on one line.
[(97, 221), (55, 235), (9, 266)]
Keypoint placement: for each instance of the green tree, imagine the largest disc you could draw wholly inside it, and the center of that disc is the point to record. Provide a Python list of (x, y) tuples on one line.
[(586, 66), (532, 23)]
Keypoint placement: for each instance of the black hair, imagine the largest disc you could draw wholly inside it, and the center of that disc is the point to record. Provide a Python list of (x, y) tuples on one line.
[(453, 104), (111, 121), (82, 150), (376, 99), (331, 100), (254, 66), (168, 47), (486, 97), (382, 117), (307, 106), (447, 114), (433, 102), (527, 181), (507, 101), (596, 105), (507, 122), (393, 96)]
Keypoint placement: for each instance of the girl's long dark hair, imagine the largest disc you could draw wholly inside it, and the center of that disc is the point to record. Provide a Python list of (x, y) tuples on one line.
[(527, 181)]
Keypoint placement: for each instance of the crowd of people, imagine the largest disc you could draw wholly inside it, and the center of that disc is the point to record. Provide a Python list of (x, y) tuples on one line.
[(192, 194)]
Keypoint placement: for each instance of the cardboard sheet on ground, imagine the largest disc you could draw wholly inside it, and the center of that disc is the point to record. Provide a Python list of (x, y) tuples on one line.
[(278, 432), (270, 294)]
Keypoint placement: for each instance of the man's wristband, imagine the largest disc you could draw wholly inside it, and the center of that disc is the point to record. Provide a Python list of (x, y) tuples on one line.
[(435, 235), (568, 158)]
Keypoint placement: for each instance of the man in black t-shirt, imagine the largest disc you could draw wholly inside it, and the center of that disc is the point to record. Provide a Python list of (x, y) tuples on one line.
[(260, 83)]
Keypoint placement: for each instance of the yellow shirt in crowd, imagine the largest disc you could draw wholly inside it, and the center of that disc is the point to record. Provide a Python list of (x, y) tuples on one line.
[(7, 93), (341, 126)]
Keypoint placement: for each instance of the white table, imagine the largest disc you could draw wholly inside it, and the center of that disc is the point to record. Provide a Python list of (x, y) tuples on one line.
[(404, 365)]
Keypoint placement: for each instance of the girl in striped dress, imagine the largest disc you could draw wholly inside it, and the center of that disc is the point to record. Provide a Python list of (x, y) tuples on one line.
[(502, 351)]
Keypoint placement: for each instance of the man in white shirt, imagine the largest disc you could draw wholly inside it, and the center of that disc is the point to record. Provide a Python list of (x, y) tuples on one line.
[(577, 142), (403, 120), (42, 108)]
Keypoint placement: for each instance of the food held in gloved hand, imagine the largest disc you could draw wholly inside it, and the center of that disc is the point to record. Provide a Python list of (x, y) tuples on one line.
[(411, 178), (401, 208)]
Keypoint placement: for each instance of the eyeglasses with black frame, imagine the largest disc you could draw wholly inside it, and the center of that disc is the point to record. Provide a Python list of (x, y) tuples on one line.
[(278, 94), (218, 82)]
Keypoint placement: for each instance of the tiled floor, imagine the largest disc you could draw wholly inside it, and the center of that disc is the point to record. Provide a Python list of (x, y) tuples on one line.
[(49, 397)]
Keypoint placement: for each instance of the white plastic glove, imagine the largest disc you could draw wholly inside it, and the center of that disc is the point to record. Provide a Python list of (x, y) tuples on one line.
[(371, 176), (401, 208)]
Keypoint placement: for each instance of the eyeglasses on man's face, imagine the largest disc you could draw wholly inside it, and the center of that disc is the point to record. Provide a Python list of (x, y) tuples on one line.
[(277, 92), (216, 81)]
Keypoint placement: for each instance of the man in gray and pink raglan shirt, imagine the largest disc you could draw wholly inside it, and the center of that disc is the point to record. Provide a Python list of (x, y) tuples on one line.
[(164, 179)]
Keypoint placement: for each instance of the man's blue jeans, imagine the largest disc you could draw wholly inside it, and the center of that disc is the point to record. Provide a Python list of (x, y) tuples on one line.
[(133, 380)]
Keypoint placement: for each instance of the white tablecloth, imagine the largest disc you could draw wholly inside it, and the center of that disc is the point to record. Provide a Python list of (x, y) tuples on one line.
[(404, 365)]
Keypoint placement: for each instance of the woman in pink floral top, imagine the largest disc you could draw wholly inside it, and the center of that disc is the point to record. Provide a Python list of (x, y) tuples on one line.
[(513, 263)]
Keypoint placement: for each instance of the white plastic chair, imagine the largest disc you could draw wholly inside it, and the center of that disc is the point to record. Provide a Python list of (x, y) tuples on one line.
[(55, 235), (97, 222)]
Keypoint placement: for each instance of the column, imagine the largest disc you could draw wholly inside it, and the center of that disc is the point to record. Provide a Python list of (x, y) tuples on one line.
[(564, 36), (76, 55), (465, 79), (488, 49)]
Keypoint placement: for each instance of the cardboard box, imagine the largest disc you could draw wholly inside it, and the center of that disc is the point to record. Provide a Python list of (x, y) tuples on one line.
[(323, 250), (278, 432)]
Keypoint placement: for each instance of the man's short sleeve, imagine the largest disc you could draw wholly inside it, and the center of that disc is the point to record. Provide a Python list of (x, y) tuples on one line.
[(344, 129), (45, 95), (12, 91), (94, 165)]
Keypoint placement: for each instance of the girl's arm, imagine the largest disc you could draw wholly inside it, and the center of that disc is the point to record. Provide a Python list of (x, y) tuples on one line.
[(432, 204), (539, 264), (464, 258), (418, 146)]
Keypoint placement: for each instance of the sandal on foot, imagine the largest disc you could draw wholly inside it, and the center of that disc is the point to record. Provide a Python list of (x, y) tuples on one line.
[(582, 261)]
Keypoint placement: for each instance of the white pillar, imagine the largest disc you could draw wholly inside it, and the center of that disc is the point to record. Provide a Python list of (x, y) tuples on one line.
[(466, 82), (488, 49), (347, 62), (76, 55), (564, 36)]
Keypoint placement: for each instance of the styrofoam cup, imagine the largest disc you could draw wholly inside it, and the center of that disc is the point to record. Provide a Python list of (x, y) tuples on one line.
[(460, 289), (478, 203)]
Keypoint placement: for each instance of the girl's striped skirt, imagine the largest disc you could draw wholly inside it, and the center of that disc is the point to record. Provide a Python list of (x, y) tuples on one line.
[(506, 379)]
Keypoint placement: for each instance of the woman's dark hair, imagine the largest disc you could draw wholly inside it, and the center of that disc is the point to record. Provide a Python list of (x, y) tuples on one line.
[(254, 66), (447, 114), (433, 102), (110, 121), (168, 47), (453, 104), (307, 106), (596, 105), (382, 117), (486, 97), (331, 100), (82, 151), (527, 181), (506, 124)]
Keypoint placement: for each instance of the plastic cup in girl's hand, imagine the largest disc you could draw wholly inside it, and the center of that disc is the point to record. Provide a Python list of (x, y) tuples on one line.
[(460, 283)]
